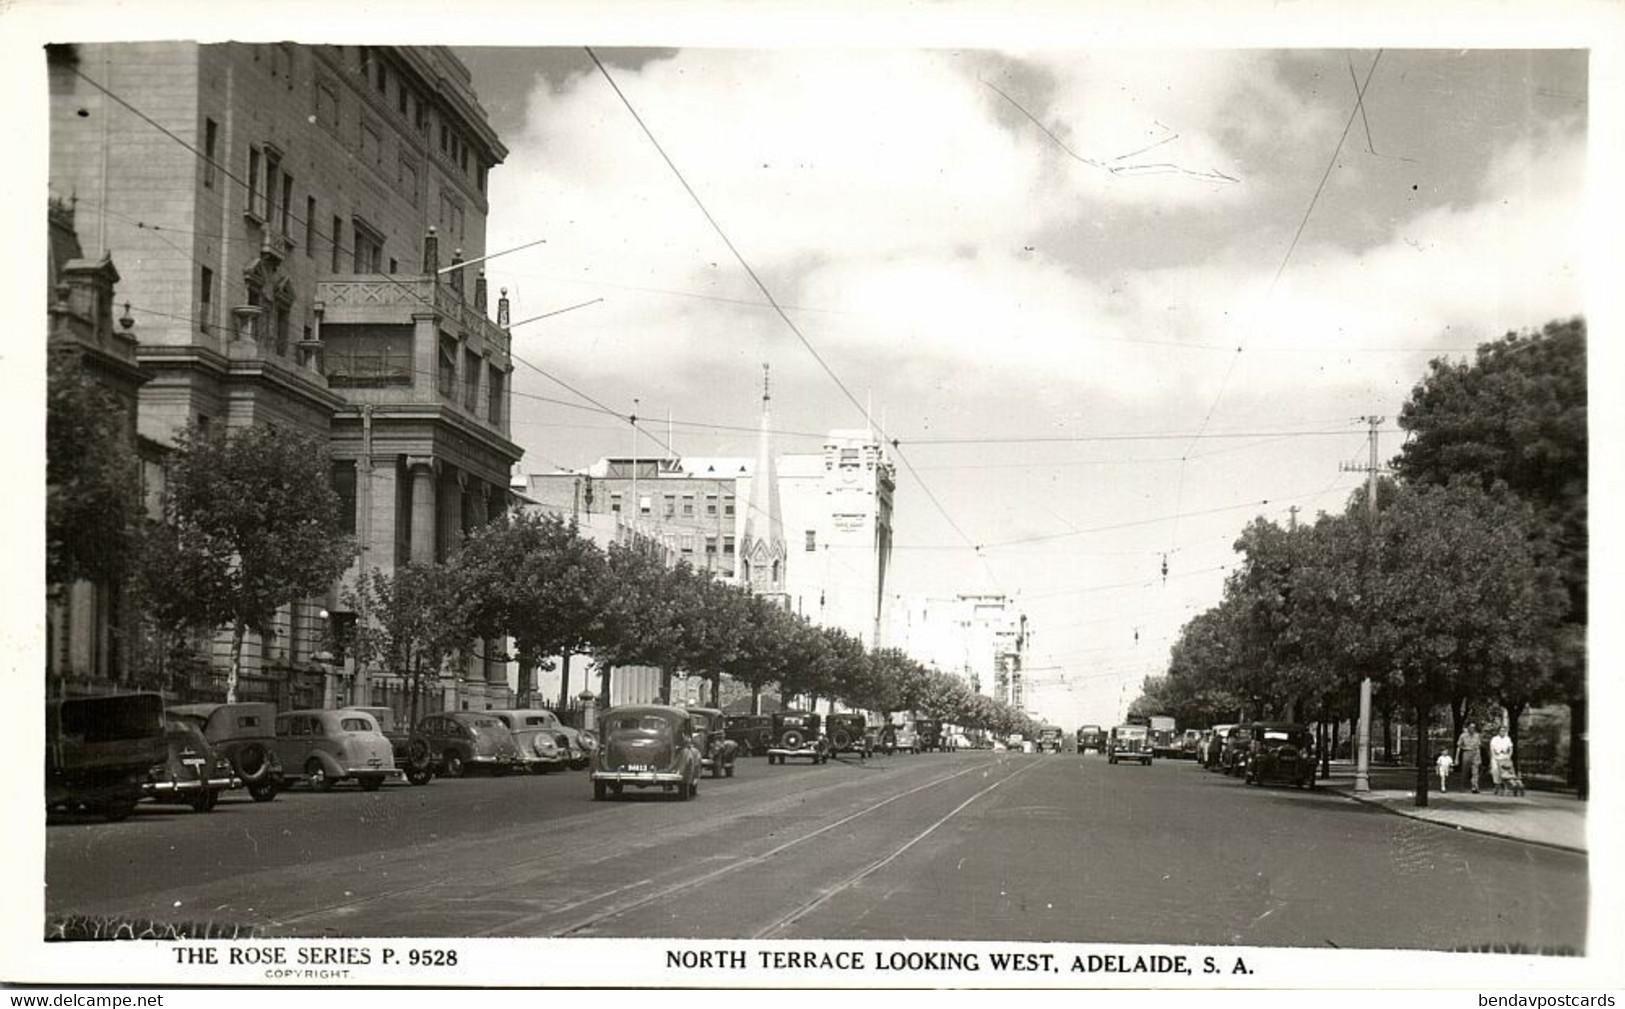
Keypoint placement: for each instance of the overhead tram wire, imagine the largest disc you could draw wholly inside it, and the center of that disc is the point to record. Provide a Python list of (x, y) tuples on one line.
[(1224, 383), (773, 302)]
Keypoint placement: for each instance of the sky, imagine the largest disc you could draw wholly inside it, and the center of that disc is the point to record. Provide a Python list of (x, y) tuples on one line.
[(1111, 304)]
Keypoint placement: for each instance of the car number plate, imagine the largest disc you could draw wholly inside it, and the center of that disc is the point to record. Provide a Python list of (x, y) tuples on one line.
[(193, 761), (639, 767)]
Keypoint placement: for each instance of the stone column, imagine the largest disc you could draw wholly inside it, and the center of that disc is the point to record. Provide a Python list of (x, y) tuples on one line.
[(423, 509)]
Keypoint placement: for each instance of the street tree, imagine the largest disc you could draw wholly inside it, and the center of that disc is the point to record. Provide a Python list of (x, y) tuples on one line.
[(417, 617), (253, 525), (535, 579), (92, 478)]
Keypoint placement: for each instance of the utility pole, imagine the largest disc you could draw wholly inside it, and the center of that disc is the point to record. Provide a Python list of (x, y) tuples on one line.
[(1292, 518), (1362, 739)]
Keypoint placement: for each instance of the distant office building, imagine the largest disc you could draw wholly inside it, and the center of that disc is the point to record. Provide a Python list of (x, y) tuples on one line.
[(835, 510), (979, 638)]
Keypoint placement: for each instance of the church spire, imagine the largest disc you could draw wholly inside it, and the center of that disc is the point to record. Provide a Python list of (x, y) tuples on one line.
[(763, 553)]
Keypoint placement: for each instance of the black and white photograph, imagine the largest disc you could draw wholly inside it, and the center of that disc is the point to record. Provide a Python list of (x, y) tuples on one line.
[(968, 500)]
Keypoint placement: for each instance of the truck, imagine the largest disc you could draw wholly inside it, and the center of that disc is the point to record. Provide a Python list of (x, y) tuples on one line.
[(1049, 739), (1164, 738)]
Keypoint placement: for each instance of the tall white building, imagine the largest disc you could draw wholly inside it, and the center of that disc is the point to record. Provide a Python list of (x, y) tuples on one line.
[(980, 638)]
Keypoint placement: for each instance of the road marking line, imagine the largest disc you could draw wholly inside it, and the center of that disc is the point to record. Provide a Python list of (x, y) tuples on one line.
[(724, 870), (802, 911)]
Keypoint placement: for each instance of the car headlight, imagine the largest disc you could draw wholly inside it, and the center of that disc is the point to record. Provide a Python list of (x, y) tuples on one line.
[(589, 741)]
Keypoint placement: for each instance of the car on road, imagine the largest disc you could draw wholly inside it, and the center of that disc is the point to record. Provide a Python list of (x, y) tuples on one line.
[(1129, 742), (453, 743), (245, 734), (929, 731), (718, 753), (1188, 743), (849, 733), (1282, 752), (324, 746), (192, 772), (753, 733), (646, 746), (399, 736), (797, 734), (98, 751), (1091, 737), (542, 746), (905, 738), (582, 743), (1049, 739), (1238, 743)]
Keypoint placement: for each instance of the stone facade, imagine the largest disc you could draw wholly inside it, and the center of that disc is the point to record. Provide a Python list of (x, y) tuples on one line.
[(293, 217)]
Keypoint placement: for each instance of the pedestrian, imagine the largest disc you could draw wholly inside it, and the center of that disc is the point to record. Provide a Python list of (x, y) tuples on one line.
[(1445, 763), (1501, 759), (1468, 745)]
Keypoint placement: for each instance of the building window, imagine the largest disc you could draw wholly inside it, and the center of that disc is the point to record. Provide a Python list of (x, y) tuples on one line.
[(710, 546), (310, 227), (728, 504), (448, 368), (211, 137), (421, 116), (393, 266), (273, 185), (494, 392), (615, 502), (645, 506), (728, 545), (401, 95), (812, 540), (383, 79), (671, 506), (206, 299), (471, 380), (688, 506), (407, 178), (371, 145), (481, 177), (253, 180), (327, 106), (287, 203), (338, 246), (710, 504), (369, 248)]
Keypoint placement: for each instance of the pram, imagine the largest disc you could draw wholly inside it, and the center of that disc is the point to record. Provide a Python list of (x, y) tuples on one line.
[(1511, 783)]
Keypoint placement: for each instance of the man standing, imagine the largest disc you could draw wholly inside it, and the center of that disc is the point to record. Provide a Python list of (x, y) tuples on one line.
[(1500, 758), (1468, 745)]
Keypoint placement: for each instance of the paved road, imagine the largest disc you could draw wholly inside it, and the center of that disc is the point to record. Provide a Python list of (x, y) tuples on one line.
[(934, 846)]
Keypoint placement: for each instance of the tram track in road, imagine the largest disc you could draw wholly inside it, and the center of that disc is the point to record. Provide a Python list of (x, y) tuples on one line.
[(678, 888), (786, 921)]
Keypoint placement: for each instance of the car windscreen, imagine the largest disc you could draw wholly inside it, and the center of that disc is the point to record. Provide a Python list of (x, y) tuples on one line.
[(110, 719), (541, 720), (702, 723), (356, 725)]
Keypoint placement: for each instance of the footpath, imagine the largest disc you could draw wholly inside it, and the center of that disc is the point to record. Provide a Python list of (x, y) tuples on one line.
[(1553, 819)]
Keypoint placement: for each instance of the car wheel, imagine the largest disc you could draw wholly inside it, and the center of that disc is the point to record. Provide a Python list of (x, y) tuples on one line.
[(118, 809), (316, 774), (792, 740), (264, 791), (728, 771), (253, 764), (456, 766), (419, 774), (371, 784), (599, 791)]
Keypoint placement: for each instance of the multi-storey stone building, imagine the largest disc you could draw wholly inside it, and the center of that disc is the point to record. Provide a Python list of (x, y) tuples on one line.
[(979, 638), (293, 219)]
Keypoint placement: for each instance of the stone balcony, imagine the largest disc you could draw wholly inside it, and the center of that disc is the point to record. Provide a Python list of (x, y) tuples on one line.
[(371, 299)]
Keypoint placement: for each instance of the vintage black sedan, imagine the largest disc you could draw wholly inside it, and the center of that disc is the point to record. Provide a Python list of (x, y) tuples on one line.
[(98, 751), (646, 746), (848, 733), (193, 773), (717, 751), (753, 733), (1281, 751), (245, 734), (798, 734)]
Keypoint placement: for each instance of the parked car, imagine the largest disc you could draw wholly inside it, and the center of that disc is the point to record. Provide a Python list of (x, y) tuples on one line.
[(98, 751), (1237, 743), (646, 746), (580, 743), (797, 734), (710, 737), (452, 743), (399, 736), (1188, 742), (192, 772), (753, 733), (324, 746), (1129, 742), (1281, 751), (543, 746), (245, 734), (848, 733), (905, 738)]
